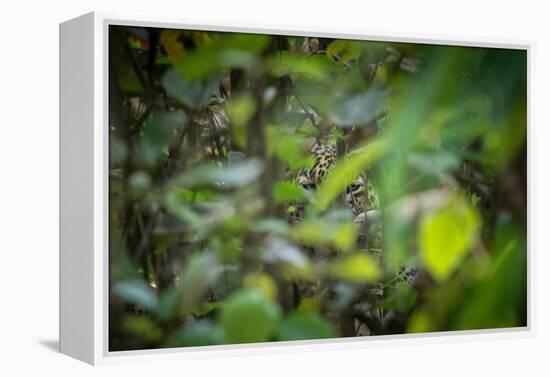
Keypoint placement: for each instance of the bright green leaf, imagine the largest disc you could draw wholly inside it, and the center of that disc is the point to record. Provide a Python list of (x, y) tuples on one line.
[(289, 149), (302, 326), (446, 236), (345, 237), (248, 316), (358, 267), (287, 191), (262, 282), (239, 110)]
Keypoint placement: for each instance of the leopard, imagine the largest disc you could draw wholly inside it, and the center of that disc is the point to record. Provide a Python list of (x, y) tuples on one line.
[(360, 196)]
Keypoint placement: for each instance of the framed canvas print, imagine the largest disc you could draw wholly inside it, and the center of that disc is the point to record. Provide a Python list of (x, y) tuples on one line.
[(234, 189)]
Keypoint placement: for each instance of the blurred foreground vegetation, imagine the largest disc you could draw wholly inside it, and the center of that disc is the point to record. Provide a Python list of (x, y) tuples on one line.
[(207, 133)]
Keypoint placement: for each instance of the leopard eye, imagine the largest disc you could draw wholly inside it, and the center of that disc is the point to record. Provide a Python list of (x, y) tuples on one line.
[(354, 186), (309, 186)]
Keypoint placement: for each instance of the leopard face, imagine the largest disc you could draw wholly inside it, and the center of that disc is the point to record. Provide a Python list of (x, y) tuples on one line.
[(360, 196)]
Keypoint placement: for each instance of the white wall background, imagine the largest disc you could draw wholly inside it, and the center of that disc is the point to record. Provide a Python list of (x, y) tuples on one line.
[(29, 184)]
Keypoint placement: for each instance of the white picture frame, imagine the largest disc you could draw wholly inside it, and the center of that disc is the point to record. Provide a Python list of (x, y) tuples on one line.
[(84, 192)]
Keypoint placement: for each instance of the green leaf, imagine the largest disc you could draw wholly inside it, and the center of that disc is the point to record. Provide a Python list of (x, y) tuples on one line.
[(358, 267), (136, 292), (317, 66), (359, 109), (158, 133), (339, 233), (130, 82), (446, 236), (345, 237), (420, 322), (262, 282), (288, 148), (301, 326), (346, 50), (434, 163), (499, 299), (201, 333), (287, 191), (232, 51), (190, 196), (237, 174), (248, 316), (279, 251), (240, 109), (271, 225), (143, 327), (201, 271), (167, 306), (193, 93)]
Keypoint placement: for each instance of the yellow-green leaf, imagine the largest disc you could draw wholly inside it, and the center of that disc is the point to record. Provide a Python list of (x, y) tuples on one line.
[(420, 322), (248, 316), (262, 282), (446, 236), (358, 267), (345, 237), (239, 110)]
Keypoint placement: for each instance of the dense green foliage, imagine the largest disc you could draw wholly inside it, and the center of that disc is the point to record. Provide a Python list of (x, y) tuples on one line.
[(207, 133)]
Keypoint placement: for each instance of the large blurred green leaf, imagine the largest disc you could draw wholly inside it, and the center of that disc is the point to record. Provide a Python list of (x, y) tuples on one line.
[(193, 93), (359, 109), (232, 51), (136, 292), (419, 96), (130, 82), (201, 271), (262, 282), (239, 110), (446, 236), (358, 267), (287, 191), (288, 148), (326, 232), (158, 133), (279, 251), (284, 63), (248, 316), (346, 50), (200, 333), (302, 326), (223, 177), (143, 327), (499, 300)]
